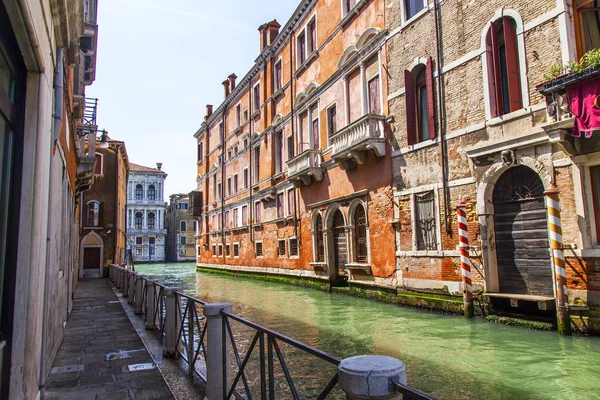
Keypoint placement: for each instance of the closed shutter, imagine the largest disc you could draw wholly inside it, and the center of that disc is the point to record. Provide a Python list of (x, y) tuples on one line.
[(496, 81), (374, 101), (512, 64), (430, 98), (411, 117), (101, 214)]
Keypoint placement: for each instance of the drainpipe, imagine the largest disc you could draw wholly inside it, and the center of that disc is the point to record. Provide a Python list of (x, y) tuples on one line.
[(56, 126), (442, 113), (250, 205), (117, 210), (296, 192), (223, 153)]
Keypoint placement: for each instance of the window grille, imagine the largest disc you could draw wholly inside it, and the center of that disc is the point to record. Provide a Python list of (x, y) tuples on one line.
[(293, 247), (281, 248), (319, 240), (425, 221), (227, 250), (259, 249), (360, 234), (236, 250), (220, 250)]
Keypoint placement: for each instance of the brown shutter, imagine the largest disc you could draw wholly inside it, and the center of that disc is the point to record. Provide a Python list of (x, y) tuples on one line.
[(497, 74), (430, 97), (101, 214), (374, 103), (411, 113), (512, 64)]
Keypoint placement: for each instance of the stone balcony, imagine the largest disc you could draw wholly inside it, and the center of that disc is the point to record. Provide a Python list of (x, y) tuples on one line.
[(134, 231), (146, 202), (305, 167), (87, 162), (355, 140)]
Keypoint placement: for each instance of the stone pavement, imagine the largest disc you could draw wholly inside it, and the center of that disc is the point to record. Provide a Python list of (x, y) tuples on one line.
[(100, 346)]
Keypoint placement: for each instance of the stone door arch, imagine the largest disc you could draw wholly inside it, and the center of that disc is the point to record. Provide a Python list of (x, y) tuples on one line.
[(91, 258)]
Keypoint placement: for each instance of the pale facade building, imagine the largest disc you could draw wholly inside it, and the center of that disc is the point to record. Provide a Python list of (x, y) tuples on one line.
[(181, 229), (146, 233)]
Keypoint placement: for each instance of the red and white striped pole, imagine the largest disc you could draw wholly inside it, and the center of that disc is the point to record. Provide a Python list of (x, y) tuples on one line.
[(563, 320), (465, 261)]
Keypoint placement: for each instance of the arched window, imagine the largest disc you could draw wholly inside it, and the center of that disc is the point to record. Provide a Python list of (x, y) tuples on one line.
[(138, 220), (320, 247), (151, 192), (360, 235), (420, 109), (139, 192), (93, 214), (151, 219), (502, 52)]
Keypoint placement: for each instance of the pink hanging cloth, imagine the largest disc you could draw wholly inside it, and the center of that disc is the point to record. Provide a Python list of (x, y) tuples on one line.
[(585, 106)]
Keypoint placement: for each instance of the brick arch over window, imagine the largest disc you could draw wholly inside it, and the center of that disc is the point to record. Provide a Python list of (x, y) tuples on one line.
[(504, 64)]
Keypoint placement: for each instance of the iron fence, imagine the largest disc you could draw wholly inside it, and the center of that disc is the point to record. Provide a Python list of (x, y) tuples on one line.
[(191, 338)]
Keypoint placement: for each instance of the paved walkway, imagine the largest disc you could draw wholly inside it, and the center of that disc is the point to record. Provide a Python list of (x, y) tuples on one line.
[(100, 347)]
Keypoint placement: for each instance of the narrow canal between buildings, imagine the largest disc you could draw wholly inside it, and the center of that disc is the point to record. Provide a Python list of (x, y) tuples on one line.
[(446, 356)]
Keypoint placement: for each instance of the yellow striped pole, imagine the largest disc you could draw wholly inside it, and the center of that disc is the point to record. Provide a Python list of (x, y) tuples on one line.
[(465, 261), (563, 319)]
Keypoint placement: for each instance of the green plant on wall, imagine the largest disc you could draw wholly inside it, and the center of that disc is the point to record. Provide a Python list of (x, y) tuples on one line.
[(589, 59)]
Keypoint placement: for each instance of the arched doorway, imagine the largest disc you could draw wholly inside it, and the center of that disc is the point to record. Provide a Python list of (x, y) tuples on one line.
[(340, 246), (92, 257), (520, 221)]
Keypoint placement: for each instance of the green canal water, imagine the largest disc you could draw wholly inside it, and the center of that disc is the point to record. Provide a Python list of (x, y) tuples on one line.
[(446, 356)]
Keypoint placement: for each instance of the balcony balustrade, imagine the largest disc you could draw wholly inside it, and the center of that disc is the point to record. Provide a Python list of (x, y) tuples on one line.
[(305, 166), (134, 231), (146, 202), (353, 141)]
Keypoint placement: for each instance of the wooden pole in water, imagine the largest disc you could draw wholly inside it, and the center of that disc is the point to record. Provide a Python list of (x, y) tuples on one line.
[(563, 319), (465, 261)]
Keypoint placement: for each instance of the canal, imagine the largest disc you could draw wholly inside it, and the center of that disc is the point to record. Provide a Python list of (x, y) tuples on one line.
[(446, 356)]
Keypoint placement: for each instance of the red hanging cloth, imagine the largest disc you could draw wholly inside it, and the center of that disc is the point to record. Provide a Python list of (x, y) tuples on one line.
[(585, 106)]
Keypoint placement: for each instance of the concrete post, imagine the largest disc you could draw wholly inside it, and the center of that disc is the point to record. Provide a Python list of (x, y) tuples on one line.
[(217, 368), (151, 299), (131, 287), (370, 377), (172, 322), (110, 272), (118, 277), (139, 295), (124, 281)]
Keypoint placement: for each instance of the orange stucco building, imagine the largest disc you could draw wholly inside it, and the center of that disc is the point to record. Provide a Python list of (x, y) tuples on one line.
[(294, 167)]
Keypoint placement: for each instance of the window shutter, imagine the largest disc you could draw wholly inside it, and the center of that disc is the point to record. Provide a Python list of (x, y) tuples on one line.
[(411, 113), (497, 74), (430, 98), (85, 216), (101, 214), (512, 64)]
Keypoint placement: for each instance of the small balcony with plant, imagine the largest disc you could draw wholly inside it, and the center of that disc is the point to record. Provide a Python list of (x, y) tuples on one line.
[(573, 104)]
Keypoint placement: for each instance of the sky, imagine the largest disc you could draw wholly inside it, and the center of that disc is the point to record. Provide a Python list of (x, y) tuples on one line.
[(159, 63)]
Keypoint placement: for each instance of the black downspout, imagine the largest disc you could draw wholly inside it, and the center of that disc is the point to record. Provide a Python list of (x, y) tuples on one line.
[(222, 138), (442, 114), (296, 192), (250, 167)]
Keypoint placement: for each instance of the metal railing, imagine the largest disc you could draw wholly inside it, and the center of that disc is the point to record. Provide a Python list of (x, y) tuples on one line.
[(409, 393), (192, 334), (90, 111)]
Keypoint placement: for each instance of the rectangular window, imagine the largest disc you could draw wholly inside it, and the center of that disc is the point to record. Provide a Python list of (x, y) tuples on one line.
[(259, 249), (312, 36), (214, 187), (151, 240), (256, 171), (595, 173), (227, 219), (290, 200), (244, 215), (278, 78), (238, 115), (235, 217), (293, 247), (214, 222), (278, 152), (229, 187), (348, 5), (195, 226), (183, 226), (258, 212), (303, 132), (280, 205), (235, 183), (246, 178), (246, 115), (290, 147), (412, 7), (245, 142), (214, 250), (301, 46), (183, 206), (229, 154), (220, 250), (425, 221), (354, 95), (316, 141), (221, 133), (138, 240), (227, 250), (200, 151), (236, 249), (220, 220), (219, 191), (182, 240), (138, 251), (331, 121), (374, 100), (281, 247), (256, 97)]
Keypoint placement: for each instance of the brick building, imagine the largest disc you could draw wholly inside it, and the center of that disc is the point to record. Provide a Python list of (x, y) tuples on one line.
[(295, 165), (103, 229), (181, 229), (146, 231)]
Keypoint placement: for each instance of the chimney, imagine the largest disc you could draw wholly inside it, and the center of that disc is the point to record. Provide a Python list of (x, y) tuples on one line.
[(268, 33), (226, 87), (209, 110), (159, 166), (232, 79)]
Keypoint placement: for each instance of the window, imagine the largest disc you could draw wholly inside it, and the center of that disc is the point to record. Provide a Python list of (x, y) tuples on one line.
[(316, 142), (227, 219), (320, 247), (311, 29), (331, 121), (221, 133), (595, 174), (412, 7), (182, 240), (93, 216), (420, 112), (360, 235), (235, 183), (219, 191), (587, 25), (195, 226), (151, 192), (138, 240), (502, 53), (220, 220), (229, 154), (290, 147), (227, 250), (139, 192), (220, 160), (256, 165), (238, 115), (98, 167), (214, 187), (245, 141), (281, 247), (259, 249), (214, 250), (235, 217), (229, 187), (374, 100), (278, 152), (151, 220), (348, 5), (354, 87), (246, 115), (200, 151), (293, 247), (220, 250), (302, 132), (425, 224), (183, 226), (138, 220), (278, 76), (138, 251), (301, 48), (256, 97), (236, 150), (280, 205), (290, 200), (183, 206), (236, 250), (258, 212), (214, 222), (151, 240), (244, 215), (246, 178)]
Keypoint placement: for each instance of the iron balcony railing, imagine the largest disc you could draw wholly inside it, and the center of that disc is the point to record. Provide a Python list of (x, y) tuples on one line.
[(90, 111)]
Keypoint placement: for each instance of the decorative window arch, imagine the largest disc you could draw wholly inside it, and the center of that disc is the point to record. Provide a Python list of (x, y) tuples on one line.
[(504, 64), (139, 192), (93, 213), (419, 97), (151, 220), (138, 220), (360, 239), (151, 192), (318, 238)]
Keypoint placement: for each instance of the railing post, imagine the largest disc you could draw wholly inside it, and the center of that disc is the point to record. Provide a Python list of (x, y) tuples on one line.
[(131, 287), (217, 351), (172, 322), (118, 278), (124, 282), (370, 377), (190, 336), (139, 295), (151, 299)]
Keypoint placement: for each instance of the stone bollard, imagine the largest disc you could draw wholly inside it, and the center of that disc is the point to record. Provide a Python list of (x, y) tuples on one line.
[(138, 308), (124, 284), (151, 299), (118, 277), (370, 377), (215, 365), (131, 287), (172, 322)]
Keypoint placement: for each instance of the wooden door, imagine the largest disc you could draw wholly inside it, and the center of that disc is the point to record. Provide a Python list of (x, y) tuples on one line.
[(340, 248), (522, 247), (91, 258)]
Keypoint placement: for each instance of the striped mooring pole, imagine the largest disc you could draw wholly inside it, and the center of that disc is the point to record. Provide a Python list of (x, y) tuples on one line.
[(465, 261), (563, 320)]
